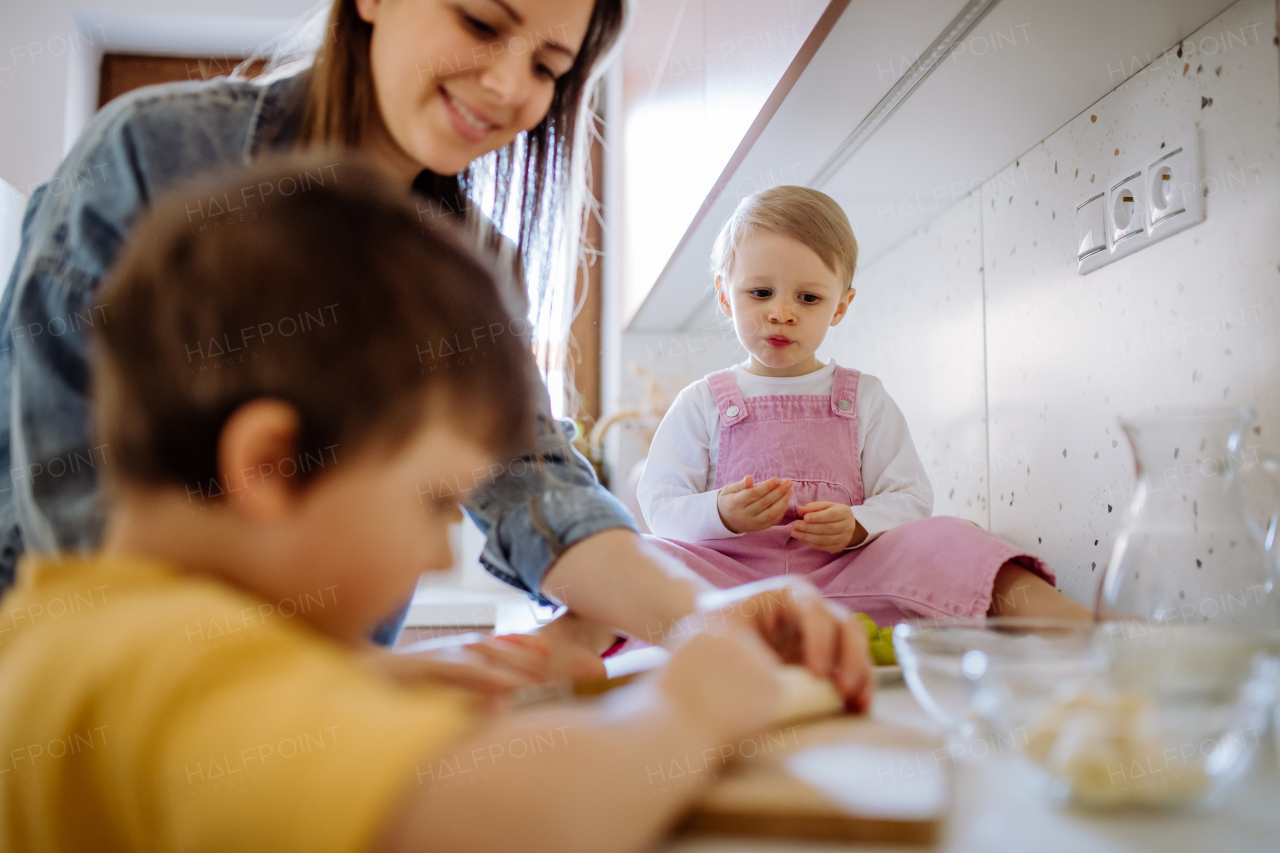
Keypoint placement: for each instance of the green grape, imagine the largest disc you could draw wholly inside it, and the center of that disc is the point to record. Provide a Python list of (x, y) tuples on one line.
[(882, 653), (885, 641), (869, 624)]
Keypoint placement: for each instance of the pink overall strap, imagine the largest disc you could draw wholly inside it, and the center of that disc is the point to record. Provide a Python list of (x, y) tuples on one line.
[(733, 409), (844, 393)]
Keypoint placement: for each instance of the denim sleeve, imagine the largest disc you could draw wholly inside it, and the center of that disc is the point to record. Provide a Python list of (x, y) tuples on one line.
[(540, 504)]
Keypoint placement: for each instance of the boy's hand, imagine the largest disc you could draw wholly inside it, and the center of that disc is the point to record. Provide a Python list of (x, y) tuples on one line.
[(746, 507), (828, 526), (725, 679), (802, 627)]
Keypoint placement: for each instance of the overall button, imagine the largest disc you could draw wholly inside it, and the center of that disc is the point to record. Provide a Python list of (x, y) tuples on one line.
[(844, 404), (732, 411)]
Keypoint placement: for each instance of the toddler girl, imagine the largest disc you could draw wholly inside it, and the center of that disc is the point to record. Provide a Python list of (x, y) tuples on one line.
[(786, 465)]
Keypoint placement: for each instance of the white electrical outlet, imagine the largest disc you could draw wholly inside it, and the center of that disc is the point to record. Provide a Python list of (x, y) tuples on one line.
[(1158, 197)]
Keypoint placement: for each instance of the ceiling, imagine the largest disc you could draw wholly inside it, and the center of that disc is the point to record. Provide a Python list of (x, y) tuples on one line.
[(1020, 73)]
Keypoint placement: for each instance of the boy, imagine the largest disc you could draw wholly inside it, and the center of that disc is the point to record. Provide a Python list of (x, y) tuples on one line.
[(280, 455)]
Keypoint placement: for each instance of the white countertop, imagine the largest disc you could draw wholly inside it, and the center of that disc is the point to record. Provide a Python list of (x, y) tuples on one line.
[(997, 808)]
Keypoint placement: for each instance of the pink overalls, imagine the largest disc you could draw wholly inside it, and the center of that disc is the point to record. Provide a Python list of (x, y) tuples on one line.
[(940, 566)]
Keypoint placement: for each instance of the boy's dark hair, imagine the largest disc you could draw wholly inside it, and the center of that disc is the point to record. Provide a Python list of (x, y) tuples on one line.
[(311, 281)]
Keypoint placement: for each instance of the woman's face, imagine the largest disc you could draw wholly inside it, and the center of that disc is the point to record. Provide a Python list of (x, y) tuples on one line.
[(456, 79)]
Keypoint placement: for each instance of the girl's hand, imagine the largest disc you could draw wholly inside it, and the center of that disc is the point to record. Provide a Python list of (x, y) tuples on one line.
[(828, 526), (746, 507)]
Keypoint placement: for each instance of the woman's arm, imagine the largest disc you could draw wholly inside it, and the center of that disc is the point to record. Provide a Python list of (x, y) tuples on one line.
[(535, 506), (618, 579)]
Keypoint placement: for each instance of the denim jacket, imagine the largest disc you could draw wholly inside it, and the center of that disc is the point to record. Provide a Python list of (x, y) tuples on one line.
[(136, 148)]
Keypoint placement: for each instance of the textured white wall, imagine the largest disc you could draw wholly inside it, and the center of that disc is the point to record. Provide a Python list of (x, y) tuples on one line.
[(1190, 320), (917, 325)]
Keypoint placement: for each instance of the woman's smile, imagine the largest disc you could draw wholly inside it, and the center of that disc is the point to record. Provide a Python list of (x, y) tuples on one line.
[(468, 122)]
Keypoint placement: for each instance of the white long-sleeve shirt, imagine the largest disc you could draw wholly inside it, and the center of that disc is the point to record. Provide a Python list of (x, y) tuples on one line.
[(676, 494)]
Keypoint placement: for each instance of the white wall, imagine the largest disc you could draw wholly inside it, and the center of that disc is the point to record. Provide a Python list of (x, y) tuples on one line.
[(50, 49), (11, 206), (982, 312)]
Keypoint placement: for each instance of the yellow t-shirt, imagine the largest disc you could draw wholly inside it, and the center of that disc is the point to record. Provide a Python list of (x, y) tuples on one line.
[(145, 709)]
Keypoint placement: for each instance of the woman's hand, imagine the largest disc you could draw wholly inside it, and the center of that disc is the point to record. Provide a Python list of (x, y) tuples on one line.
[(574, 645), (828, 526), (746, 507), (801, 626)]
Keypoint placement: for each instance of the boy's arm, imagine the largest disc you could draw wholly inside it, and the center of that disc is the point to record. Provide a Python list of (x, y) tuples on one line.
[(597, 780), (673, 493), (896, 482), (591, 791)]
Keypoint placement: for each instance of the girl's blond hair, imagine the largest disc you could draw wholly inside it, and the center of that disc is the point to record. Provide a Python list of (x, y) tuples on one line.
[(803, 214)]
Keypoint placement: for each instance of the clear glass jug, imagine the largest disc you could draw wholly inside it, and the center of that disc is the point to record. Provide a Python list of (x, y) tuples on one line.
[(1193, 548)]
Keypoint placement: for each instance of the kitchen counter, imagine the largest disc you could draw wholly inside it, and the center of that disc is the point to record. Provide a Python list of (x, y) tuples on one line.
[(996, 808)]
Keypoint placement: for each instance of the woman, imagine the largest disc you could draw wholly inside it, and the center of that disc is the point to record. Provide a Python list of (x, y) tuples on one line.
[(433, 92)]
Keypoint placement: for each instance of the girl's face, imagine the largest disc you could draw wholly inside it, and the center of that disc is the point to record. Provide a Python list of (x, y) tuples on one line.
[(782, 299), (457, 79)]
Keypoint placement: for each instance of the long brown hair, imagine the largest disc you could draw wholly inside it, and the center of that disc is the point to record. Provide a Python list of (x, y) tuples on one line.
[(540, 177)]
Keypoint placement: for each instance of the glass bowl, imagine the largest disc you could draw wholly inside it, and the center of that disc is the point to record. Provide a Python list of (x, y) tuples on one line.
[(948, 666), (1173, 718)]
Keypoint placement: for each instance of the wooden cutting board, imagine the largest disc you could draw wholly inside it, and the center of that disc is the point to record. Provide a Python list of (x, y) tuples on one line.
[(845, 778), (839, 777)]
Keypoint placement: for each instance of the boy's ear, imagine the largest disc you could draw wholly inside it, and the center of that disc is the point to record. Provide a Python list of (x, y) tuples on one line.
[(254, 441), (723, 298), (368, 9), (843, 307)]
